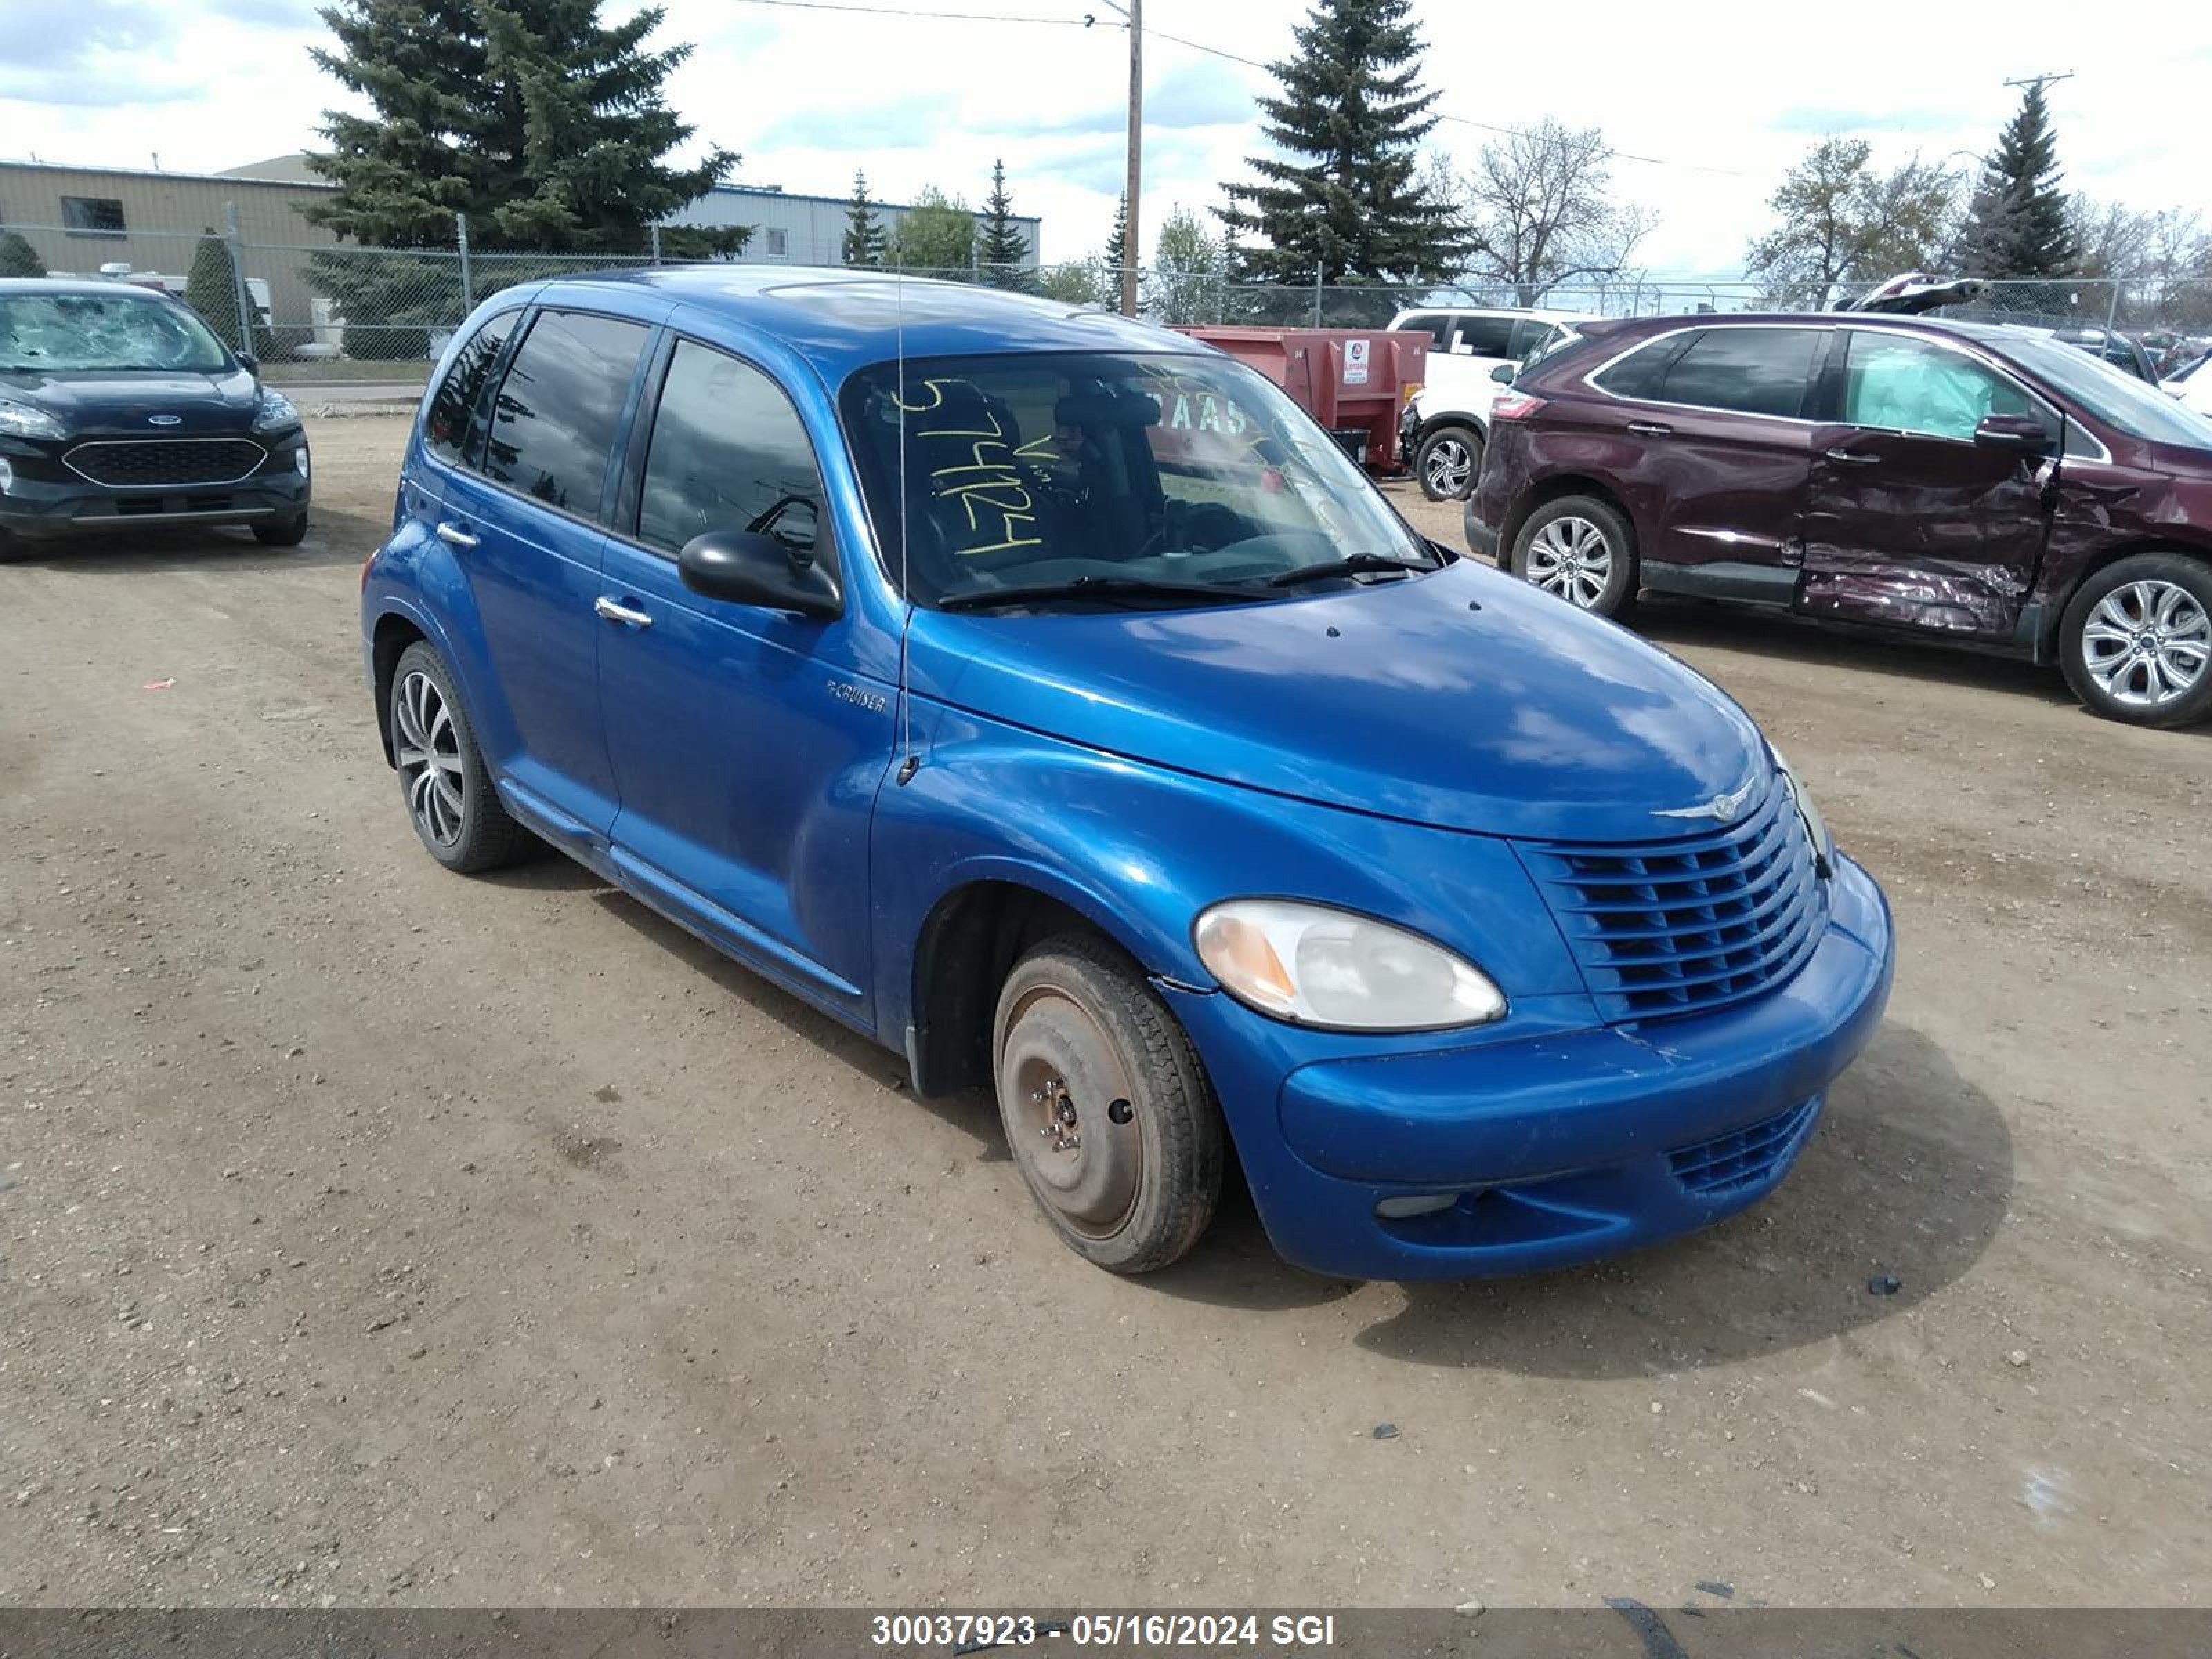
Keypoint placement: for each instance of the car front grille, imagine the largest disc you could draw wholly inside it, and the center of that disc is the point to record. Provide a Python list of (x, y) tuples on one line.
[(157, 463), (1690, 923), (1743, 1157)]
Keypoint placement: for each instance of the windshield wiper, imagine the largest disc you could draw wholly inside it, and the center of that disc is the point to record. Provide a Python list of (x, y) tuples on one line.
[(1093, 587), (1352, 564)]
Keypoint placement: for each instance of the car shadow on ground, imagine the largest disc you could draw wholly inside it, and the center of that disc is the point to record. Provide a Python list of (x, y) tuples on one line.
[(1673, 622), (333, 539), (1909, 1175)]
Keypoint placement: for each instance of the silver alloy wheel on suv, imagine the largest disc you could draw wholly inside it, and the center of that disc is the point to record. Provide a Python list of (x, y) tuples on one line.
[(1570, 557), (426, 747), (2148, 643)]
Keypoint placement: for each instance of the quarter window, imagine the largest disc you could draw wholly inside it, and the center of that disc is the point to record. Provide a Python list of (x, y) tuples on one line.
[(1898, 384), (1748, 371), (445, 433), (553, 422), (727, 452)]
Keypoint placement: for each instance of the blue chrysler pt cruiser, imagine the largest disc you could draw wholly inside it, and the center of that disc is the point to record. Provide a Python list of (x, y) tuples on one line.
[(1048, 697)]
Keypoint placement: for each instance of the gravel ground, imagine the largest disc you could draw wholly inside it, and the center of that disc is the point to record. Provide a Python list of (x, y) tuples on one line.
[(371, 1235)]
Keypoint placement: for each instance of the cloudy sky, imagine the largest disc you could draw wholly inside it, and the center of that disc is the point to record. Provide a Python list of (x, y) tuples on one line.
[(1719, 98)]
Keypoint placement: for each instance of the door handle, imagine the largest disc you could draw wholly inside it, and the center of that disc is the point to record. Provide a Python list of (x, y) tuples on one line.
[(1852, 458), (1651, 429), (456, 535), (621, 613)]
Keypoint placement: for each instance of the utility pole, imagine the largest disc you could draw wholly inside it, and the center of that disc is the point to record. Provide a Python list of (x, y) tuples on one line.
[(2039, 81), (1134, 13)]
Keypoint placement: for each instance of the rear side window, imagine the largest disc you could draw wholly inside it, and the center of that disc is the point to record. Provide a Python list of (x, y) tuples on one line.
[(446, 432), (1746, 371), (553, 422), (727, 452), (1436, 325), (1486, 337)]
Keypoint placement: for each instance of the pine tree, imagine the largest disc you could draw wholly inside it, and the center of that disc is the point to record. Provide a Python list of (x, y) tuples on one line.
[(17, 257), (1117, 240), (211, 289), (547, 128), (2018, 225), (1000, 247), (1350, 113), (865, 241)]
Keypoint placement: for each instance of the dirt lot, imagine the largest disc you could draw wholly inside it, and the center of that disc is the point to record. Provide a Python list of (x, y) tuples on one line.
[(372, 1234)]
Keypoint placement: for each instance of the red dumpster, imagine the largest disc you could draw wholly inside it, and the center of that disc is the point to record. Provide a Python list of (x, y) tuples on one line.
[(1355, 381)]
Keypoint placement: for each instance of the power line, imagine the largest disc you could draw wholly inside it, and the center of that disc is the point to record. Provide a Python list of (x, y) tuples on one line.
[(1089, 20)]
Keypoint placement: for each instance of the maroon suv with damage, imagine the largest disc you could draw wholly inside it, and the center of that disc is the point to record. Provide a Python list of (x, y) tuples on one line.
[(1993, 486)]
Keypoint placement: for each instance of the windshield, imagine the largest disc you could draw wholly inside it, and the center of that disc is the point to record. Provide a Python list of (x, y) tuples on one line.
[(104, 331), (1126, 479), (2113, 395)]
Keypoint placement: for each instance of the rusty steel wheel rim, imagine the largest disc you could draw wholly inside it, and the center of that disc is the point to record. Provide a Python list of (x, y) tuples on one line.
[(1067, 1099)]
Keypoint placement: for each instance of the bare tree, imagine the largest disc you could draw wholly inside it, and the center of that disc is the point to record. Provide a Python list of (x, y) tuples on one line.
[(1838, 221), (1537, 210)]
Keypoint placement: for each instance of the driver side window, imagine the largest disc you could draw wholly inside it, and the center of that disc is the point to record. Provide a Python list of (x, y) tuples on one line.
[(727, 452)]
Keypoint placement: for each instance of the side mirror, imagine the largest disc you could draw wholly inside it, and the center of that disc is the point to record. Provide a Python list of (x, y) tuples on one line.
[(1504, 374), (745, 567), (2023, 435), (251, 363)]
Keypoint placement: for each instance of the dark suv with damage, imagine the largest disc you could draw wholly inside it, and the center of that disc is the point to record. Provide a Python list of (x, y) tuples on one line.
[(1981, 483), (119, 409)]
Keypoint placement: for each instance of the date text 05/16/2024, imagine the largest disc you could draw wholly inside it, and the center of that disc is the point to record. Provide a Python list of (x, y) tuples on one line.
[(973, 1633)]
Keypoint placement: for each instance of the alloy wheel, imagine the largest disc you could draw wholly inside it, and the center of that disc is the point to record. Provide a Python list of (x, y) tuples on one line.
[(1449, 467), (1569, 556), (2148, 643), (429, 748)]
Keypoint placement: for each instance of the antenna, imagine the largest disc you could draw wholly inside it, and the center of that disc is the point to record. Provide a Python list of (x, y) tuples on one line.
[(909, 763)]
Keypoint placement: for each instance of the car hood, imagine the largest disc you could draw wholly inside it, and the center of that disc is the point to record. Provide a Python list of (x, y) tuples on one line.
[(111, 402), (1462, 699)]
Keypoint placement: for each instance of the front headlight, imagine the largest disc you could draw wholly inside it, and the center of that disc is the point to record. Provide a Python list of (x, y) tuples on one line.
[(1824, 844), (274, 412), (28, 421), (1311, 965)]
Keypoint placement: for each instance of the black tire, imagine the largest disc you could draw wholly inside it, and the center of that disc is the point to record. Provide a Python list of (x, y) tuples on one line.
[(1082, 1048), (284, 533), (1572, 576), (12, 547), (479, 835), (1447, 461), (2116, 641)]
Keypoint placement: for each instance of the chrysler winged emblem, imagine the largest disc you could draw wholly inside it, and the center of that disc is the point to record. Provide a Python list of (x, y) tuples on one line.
[(1720, 808)]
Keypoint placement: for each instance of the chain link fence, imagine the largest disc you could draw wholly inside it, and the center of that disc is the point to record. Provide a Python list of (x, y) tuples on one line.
[(330, 312)]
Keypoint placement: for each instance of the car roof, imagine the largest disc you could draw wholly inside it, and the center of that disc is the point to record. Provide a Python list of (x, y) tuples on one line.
[(1991, 333), (842, 319), (1541, 313), (79, 285)]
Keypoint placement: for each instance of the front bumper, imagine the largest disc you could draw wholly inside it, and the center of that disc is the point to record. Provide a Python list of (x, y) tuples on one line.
[(44, 498), (1559, 1148)]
